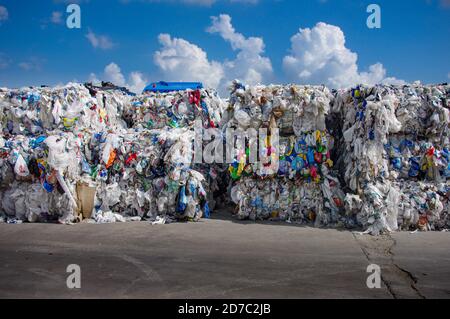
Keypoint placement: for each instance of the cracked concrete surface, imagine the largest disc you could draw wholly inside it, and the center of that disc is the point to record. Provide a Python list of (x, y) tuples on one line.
[(378, 250), (218, 258)]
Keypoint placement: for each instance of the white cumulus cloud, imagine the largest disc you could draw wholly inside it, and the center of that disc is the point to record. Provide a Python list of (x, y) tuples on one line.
[(319, 56), (249, 65), (99, 41), (180, 60), (136, 82), (112, 73), (93, 78)]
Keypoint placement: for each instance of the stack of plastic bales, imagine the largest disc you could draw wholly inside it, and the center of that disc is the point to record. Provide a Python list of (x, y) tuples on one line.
[(302, 189), (70, 152), (182, 110), (394, 156), (98, 153), (41, 142)]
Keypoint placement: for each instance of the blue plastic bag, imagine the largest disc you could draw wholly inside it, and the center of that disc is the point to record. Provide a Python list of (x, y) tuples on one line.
[(397, 163), (298, 163), (206, 211), (310, 156), (415, 167), (182, 200)]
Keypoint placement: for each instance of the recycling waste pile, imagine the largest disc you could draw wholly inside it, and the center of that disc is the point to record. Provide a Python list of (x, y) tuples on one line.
[(375, 158), (394, 156), (74, 152), (302, 188)]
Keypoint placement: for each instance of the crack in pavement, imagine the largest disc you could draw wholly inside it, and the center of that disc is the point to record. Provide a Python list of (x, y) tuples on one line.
[(408, 273), (385, 282), (399, 282)]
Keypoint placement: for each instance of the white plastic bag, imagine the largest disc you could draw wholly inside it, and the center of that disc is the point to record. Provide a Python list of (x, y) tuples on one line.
[(21, 168)]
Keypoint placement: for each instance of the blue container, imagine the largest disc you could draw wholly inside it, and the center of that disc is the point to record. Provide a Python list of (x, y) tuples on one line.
[(164, 87)]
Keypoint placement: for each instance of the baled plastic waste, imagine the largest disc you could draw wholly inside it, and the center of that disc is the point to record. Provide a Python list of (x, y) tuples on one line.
[(59, 143), (302, 188), (375, 158), (394, 155)]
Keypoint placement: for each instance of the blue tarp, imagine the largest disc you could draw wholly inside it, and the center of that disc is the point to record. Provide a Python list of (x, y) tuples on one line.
[(172, 86)]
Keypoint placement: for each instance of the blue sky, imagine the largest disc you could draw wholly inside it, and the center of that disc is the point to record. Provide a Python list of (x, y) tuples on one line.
[(132, 42)]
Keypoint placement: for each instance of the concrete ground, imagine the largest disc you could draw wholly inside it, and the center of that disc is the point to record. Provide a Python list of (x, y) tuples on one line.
[(219, 258)]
